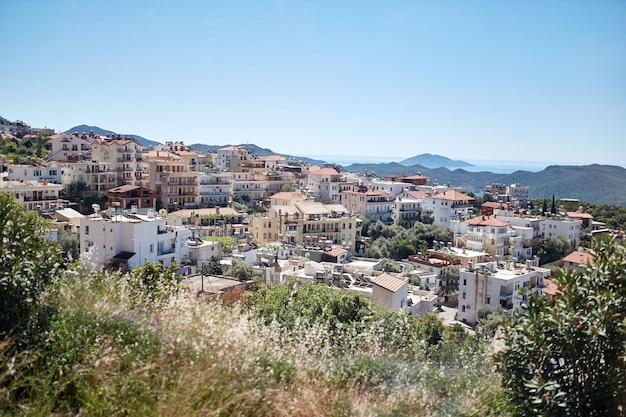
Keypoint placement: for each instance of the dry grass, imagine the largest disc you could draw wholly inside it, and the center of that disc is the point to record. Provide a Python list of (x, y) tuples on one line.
[(117, 355)]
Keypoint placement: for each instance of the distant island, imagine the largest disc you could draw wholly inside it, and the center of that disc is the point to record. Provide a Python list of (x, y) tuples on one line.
[(434, 161)]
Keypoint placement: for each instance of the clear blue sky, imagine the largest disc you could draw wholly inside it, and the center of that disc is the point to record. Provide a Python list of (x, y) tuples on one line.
[(509, 80)]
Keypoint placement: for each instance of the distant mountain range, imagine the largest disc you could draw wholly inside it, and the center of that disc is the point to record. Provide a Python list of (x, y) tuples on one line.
[(602, 184), (102, 132), (434, 161)]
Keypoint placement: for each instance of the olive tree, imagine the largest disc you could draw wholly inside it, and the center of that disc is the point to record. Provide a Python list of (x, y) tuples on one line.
[(28, 264), (566, 356)]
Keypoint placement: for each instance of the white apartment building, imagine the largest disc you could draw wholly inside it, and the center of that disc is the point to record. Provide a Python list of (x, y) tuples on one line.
[(97, 176), (392, 187), (232, 158), (34, 173), (132, 239), (71, 147), (248, 188), (326, 184), (497, 284), (214, 189), (125, 156), (171, 178), (448, 205), (544, 227), (377, 205), (561, 226), (408, 207), (35, 195)]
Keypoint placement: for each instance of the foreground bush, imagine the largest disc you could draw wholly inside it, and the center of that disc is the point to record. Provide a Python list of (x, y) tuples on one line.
[(567, 356)]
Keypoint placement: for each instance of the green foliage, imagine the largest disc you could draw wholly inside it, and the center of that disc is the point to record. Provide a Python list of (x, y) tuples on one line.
[(24, 150), (450, 284), (242, 270), (228, 242), (553, 248), (388, 265), (341, 313), (365, 226), (154, 283), (213, 267), (70, 244), (28, 264), (566, 356), (398, 243), (489, 319)]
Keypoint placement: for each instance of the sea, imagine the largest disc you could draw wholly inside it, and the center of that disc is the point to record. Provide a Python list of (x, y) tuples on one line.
[(497, 167)]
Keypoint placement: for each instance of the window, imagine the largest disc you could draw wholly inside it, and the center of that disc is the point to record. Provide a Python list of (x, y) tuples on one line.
[(464, 295), (463, 309), (152, 248), (86, 230), (464, 281)]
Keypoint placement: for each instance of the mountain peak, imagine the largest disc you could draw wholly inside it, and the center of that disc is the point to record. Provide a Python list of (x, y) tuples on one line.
[(103, 132), (434, 161)]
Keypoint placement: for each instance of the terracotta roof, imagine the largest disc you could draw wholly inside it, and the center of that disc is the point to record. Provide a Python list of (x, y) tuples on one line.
[(312, 207), (417, 194), (552, 288), (337, 251), (579, 215), (453, 195), (287, 195), (337, 208), (163, 155), (415, 177), (580, 258), (486, 221), (495, 204), (124, 188), (389, 282), (324, 171)]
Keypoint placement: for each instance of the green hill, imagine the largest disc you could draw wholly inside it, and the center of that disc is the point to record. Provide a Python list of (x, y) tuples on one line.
[(602, 184), (103, 132)]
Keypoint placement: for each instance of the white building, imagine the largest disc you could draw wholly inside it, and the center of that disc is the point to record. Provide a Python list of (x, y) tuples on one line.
[(497, 284), (214, 189), (392, 187), (97, 176), (71, 147), (544, 227), (326, 184), (133, 239), (561, 226), (448, 205), (232, 158), (35, 195), (408, 207), (34, 173)]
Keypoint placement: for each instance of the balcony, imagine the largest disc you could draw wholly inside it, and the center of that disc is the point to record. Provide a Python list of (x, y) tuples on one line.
[(506, 294)]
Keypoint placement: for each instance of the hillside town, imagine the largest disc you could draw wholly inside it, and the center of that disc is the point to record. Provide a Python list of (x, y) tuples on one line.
[(170, 204)]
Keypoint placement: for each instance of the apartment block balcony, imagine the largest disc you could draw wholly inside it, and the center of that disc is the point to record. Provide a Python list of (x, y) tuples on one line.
[(504, 294)]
